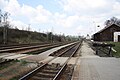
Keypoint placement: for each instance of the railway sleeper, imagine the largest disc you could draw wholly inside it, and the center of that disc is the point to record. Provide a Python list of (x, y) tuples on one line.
[(38, 78), (45, 75), (56, 53), (5, 61), (53, 65), (47, 72), (68, 72), (50, 71), (52, 68)]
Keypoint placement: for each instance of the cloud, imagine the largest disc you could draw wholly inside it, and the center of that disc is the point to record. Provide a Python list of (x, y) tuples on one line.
[(3, 3), (13, 7), (91, 12), (81, 15), (77, 6), (42, 15), (34, 15), (91, 7), (67, 22)]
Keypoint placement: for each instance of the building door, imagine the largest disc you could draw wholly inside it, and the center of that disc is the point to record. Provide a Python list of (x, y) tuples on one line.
[(118, 38)]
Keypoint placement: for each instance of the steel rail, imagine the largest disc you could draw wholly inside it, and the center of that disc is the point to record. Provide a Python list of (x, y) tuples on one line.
[(25, 48), (32, 73), (57, 77)]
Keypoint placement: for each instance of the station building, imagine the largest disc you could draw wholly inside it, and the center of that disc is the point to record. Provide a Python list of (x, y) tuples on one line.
[(109, 33)]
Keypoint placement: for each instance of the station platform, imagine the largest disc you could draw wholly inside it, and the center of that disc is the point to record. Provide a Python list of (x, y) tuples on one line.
[(92, 67)]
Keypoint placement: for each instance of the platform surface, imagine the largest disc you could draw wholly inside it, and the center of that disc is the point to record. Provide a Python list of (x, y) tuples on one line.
[(93, 67)]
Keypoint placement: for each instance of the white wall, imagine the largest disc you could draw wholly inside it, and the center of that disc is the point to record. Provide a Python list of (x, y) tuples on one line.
[(116, 36)]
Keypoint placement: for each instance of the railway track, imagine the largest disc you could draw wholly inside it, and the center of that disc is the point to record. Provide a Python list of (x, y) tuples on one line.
[(10, 70), (36, 51), (52, 71), (22, 48), (5, 61), (62, 50), (3, 47), (41, 49), (20, 45), (30, 48), (68, 53)]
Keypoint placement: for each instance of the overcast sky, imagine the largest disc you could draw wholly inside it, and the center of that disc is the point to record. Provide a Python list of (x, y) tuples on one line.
[(71, 17)]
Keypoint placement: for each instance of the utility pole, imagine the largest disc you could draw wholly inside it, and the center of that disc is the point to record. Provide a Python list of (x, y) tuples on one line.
[(29, 35), (1, 16), (5, 34), (29, 27), (52, 36), (5, 17), (94, 23)]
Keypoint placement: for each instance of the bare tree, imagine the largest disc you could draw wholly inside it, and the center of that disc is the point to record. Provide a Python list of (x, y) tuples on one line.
[(112, 20), (4, 16), (107, 22)]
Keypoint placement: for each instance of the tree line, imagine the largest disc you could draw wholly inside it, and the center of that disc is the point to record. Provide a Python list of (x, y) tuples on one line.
[(10, 35)]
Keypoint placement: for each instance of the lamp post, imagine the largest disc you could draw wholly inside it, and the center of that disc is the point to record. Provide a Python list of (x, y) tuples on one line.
[(94, 26)]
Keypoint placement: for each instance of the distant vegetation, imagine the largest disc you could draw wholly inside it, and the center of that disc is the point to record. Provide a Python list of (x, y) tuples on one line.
[(15, 36), (10, 35)]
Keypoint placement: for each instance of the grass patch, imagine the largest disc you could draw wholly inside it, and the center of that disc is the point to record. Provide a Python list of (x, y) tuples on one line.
[(23, 63), (117, 48), (15, 78), (7, 65)]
